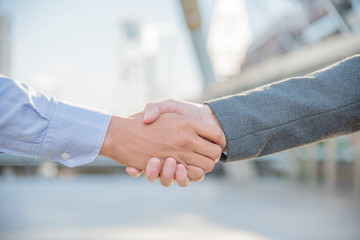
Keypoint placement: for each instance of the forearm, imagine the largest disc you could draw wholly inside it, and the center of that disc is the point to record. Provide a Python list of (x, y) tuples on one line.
[(292, 112), (34, 125)]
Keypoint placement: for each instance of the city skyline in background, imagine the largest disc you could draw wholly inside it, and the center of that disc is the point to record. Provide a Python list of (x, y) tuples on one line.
[(66, 49), (117, 55)]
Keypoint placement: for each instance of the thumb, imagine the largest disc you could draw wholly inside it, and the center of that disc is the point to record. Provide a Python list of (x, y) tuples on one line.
[(152, 113)]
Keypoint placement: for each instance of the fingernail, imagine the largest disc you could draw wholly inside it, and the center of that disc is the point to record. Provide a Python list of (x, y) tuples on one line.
[(170, 164), (153, 164), (180, 168)]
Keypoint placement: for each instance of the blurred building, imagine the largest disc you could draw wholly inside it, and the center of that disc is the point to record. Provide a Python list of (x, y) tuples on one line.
[(229, 37), (313, 22), (4, 46), (150, 57), (133, 74), (169, 63), (314, 35)]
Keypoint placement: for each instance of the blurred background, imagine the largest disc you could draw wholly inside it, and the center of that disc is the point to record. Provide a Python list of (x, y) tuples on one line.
[(120, 55)]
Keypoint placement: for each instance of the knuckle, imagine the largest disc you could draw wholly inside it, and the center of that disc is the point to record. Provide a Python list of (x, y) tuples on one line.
[(218, 152), (197, 175), (200, 178), (210, 166), (218, 133), (183, 141)]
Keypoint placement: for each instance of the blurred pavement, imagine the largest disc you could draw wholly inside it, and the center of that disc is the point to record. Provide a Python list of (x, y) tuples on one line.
[(118, 207)]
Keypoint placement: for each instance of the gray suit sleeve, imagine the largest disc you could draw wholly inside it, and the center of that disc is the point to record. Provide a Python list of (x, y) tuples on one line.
[(292, 112)]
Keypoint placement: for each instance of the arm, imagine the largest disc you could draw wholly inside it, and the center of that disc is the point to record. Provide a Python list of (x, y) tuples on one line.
[(282, 115), (291, 113), (34, 125)]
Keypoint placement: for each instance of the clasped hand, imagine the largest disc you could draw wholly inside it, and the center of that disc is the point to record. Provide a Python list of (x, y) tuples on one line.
[(172, 140)]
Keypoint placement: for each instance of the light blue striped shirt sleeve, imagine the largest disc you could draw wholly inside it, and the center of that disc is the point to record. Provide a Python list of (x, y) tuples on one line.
[(34, 125)]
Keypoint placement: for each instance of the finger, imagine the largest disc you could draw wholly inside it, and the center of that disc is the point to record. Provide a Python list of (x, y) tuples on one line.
[(167, 176), (153, 110), (208, 149), (133, 172), (152, 113), (195, 174), (210, 132), (152, 170), (181, 176), (198, 160)]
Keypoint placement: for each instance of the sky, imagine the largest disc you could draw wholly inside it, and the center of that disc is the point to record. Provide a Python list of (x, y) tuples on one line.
[(66, 48), (70, 48)]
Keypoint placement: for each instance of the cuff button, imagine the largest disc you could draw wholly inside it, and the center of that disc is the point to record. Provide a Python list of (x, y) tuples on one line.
[(65, 155)]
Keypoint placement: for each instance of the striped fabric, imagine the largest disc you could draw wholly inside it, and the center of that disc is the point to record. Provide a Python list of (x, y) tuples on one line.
[(34, 125)]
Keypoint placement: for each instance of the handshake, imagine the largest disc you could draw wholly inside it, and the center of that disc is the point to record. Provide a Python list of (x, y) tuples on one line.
[(173, 140)]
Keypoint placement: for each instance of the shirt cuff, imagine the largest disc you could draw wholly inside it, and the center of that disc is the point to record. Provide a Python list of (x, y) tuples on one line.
[(75, 135)]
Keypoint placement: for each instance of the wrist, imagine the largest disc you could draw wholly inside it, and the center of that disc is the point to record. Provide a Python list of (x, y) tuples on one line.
[(109, 144), (119, 141), (210, 116)]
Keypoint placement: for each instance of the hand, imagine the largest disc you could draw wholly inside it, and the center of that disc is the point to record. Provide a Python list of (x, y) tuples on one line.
[(131, 142), (199, 112), (172, 171)]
